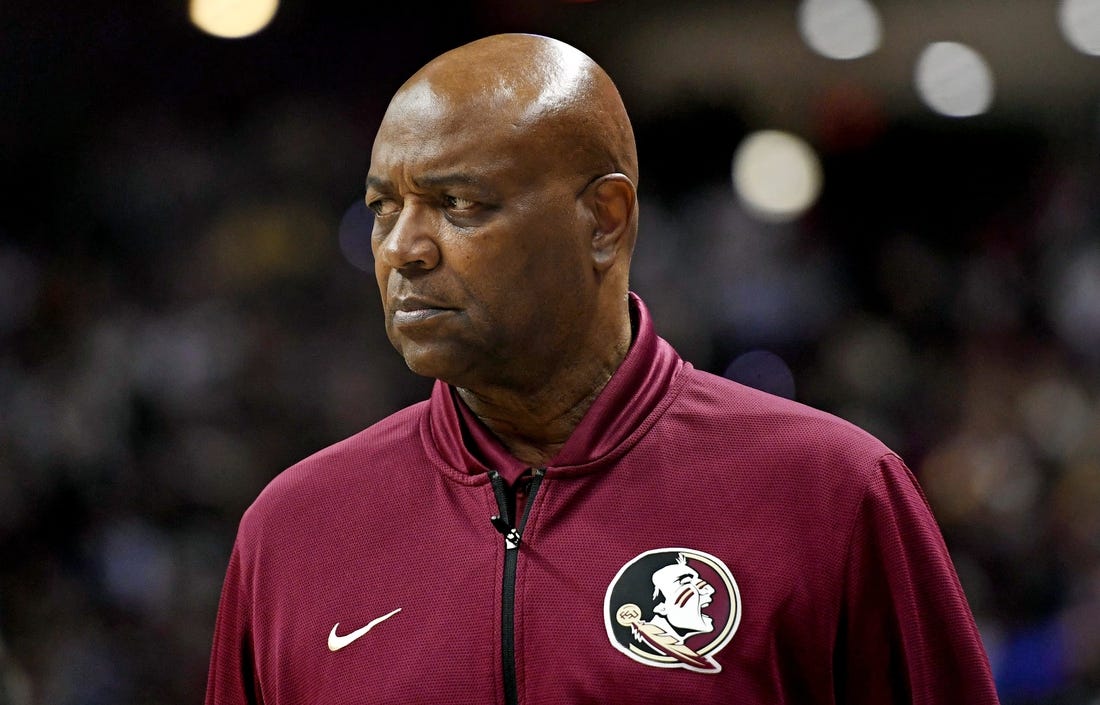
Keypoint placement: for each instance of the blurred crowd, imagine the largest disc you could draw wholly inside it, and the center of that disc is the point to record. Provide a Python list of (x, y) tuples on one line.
[(211, 318)]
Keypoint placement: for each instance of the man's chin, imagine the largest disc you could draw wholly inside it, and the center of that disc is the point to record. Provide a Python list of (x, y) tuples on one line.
[(432, 362), (426, 367)]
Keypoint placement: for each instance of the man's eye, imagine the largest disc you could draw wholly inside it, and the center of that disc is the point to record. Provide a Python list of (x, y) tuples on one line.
[(383, 206), (457, 203)]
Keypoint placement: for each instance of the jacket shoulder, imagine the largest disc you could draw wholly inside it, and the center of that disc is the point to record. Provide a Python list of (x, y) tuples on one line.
[(739, 418), (380, 453)]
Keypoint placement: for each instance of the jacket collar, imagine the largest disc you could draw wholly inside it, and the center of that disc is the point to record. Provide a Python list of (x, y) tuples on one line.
[(632, 400)]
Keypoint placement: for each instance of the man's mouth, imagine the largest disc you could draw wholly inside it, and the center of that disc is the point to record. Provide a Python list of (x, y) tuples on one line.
[(416, 313), (411, 310)]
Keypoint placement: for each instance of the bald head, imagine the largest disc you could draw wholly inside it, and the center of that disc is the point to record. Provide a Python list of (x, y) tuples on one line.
[(502, 180), (552, 91)]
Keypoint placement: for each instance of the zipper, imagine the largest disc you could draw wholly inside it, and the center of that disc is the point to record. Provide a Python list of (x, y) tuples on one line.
[(512, 534)]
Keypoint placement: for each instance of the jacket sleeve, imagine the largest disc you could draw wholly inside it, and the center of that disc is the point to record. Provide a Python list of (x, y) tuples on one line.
[(231, 679), (906, 632)]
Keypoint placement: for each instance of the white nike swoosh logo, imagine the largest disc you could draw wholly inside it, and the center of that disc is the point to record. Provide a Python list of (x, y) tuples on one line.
[(335, 643)]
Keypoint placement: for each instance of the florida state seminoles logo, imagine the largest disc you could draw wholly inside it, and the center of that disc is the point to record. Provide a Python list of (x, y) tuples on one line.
[(673, 608)]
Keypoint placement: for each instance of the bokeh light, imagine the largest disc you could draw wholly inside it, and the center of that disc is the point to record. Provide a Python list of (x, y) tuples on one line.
[(232, 19), (763, 370), (954, 80), (840, 29), (354, 236), (1073, 304), (1080, 24), (249, 245), (777, 175)]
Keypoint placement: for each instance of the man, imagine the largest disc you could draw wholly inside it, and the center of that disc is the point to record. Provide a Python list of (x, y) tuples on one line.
[(501, 541)]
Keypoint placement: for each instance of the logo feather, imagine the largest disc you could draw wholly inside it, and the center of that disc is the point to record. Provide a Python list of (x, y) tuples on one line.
[(662, 641)]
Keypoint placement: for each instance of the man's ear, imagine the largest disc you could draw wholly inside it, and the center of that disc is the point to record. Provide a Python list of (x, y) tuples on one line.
[(614, 201)]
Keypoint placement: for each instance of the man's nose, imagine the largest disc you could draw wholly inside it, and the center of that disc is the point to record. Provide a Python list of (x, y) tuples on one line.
[(411, 244)]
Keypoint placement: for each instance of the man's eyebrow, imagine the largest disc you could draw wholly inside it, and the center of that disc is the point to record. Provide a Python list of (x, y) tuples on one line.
[(377, 183), (446, 179), (428, 181)]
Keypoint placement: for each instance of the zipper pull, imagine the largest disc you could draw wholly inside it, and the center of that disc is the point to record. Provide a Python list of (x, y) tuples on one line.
[(500, 521), (511, 536)]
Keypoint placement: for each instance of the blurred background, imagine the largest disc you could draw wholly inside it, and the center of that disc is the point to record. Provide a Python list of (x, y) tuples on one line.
[(888, 210)]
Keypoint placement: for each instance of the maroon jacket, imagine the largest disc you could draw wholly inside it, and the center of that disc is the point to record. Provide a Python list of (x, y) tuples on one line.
[(695, 541)]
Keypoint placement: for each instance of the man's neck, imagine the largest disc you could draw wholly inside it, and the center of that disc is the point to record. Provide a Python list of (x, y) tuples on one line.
[(534, 425)]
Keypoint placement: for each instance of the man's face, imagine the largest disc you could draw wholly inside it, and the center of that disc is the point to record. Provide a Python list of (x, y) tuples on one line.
[(684, 595), (479, 243)]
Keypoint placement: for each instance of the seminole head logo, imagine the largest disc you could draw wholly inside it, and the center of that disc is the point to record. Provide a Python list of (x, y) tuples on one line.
[(673, 608)]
